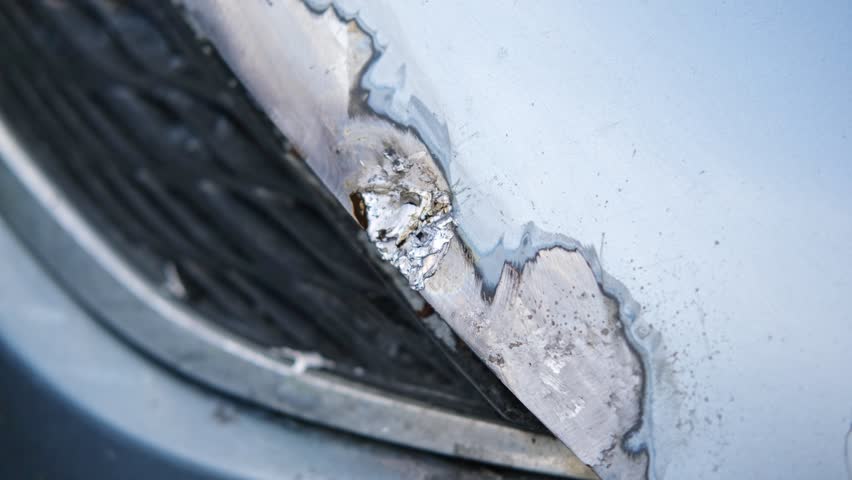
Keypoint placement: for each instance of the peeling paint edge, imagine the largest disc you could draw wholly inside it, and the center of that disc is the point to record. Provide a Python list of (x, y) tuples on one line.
[(359, 99), (488, 266)]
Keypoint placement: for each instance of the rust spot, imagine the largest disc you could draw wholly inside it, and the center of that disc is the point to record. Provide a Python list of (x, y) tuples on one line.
[(359, 209), (426, 311)]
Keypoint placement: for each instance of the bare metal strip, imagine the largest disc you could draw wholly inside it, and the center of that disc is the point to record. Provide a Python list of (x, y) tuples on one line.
[(548, 320)]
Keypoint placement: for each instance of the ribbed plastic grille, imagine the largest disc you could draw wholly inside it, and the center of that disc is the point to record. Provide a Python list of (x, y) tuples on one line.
[(149, 134)]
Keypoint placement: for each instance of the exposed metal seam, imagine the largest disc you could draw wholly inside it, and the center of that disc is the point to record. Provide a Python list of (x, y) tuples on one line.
[(586, 377)]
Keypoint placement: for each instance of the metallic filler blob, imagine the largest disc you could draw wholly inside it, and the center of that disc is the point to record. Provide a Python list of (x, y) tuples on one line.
[(400, 198)]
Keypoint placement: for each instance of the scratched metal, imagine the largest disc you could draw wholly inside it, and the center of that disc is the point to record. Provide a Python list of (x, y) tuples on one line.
[(580, 376), (702, 149)]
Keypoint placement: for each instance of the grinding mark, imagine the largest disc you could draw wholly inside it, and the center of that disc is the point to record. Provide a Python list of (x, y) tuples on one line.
[(642, 339), (542, 332)]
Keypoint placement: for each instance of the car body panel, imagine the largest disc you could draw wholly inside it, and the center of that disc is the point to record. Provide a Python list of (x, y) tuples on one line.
[(701, 152)]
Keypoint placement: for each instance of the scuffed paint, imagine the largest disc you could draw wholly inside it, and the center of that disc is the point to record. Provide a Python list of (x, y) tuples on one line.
[(545, 317)]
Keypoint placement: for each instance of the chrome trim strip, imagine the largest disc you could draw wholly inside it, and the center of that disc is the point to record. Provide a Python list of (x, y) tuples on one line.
[(128, 304)]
